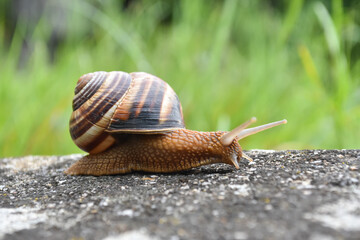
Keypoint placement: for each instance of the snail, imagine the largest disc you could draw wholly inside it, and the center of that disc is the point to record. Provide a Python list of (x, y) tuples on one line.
[(134, 122)]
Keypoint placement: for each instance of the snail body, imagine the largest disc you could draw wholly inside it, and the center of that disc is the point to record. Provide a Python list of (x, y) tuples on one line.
[(168, 152), (133, 122)]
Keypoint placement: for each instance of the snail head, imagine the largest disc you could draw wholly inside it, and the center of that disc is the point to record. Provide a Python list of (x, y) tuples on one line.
[(230, 139)]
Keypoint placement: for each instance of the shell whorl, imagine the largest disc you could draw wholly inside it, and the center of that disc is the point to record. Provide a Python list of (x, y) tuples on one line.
[(112, 103)]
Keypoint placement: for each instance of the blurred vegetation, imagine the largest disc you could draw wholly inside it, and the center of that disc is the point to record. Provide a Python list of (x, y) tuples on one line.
[(227, 60)]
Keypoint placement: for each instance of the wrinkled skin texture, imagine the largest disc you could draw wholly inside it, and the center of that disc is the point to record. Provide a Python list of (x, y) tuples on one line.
[(169, 152)]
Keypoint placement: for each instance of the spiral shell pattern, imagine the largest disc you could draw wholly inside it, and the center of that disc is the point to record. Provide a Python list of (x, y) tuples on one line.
[(110, 103)]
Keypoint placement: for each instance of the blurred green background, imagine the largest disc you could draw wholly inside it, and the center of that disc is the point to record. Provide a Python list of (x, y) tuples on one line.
[(227, 60)]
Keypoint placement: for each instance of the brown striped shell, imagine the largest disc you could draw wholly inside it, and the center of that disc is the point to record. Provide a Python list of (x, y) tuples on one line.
[(110, 103)]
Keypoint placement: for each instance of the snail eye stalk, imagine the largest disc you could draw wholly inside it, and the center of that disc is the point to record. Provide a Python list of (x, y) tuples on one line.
[(227, 138), (251, 131), (240, 132)]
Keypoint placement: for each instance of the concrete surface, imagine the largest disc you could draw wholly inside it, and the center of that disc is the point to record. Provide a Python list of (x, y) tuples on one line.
[(281, 195)]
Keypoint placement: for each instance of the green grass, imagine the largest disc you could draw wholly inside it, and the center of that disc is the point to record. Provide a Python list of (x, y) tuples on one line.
[(227, 60)]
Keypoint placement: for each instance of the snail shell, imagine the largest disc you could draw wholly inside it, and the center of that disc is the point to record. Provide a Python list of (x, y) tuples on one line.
[(110, 103)]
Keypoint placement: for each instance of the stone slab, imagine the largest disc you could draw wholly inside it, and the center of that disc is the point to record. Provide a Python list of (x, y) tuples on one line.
[(281, 195)]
